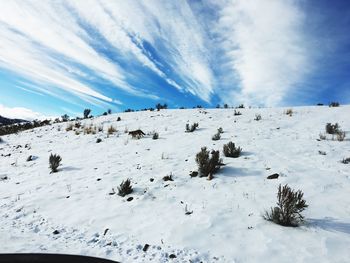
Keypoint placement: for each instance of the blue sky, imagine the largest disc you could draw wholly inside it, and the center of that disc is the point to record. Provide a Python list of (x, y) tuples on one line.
[(63, 56)]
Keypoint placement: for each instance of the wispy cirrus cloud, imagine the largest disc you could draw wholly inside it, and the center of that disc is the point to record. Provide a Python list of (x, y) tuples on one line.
[(236, 50), (48, 41)]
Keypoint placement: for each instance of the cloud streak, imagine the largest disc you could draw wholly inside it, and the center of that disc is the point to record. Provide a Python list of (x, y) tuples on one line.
[(240, 51)]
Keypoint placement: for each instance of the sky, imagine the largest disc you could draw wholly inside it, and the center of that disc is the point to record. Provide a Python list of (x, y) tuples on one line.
[(62, 56)]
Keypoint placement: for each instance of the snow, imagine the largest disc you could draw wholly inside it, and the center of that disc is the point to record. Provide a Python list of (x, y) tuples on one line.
[(226, 224)]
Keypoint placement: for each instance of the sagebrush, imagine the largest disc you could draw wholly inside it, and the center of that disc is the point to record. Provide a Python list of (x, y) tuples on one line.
[(125, 188), (290, 205), (208, 165), (54, 161), (230, 150)]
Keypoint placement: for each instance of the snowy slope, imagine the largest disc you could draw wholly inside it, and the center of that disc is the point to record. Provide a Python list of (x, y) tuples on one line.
[(226, 224)]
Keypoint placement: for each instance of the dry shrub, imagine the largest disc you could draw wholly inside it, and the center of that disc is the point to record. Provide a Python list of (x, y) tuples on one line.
[(290, 204), (208, 166), (230, 150)]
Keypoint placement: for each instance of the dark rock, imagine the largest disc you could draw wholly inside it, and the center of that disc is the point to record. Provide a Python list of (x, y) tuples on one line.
[(193, 173), (145, 247), (2, 178), (273, 176), (172, 256), (151, 179), (56, 232), (168, 178), (130, 199), (30, 158), (98, 179)]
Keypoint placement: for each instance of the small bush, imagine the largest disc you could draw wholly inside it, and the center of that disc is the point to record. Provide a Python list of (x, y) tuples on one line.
[(237, 113), (168, 178), (69, 127), (346, 160), (65, 118), (334, 104), (90, 130), (155, 136), (220, 130), (332, 128), (208, 166), (125, 188), (54, 161), (191, 128), (257, 117), (289, 112), (111, 130), (290, 204), (230, 150), (86, 113), (77, 125), (216, 136)]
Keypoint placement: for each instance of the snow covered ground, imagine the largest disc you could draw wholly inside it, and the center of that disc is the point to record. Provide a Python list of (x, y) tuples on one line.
[(226, 224)]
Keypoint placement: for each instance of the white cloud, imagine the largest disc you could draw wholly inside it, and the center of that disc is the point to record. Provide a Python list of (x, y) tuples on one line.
[(20, 113), (257, 49), (265, 47)]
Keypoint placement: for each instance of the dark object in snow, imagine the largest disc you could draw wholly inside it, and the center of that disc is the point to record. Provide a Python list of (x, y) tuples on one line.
[(346, 160), (208, 166), (216, 136), (113, 192), (125, 188), (322, 152), (332, 128), (290, 204), (56, 232), (105, 232), (230, 150), (273, 176), (3, 178), (54, 161), (98, 140), (130, 199), (334, 104), (155, 136), (257, 117), (98, 179), (51, 258), (172, 256), (193, 173), (191, 128), (168, 178), (30, 158), (145, 247), (151, 179)]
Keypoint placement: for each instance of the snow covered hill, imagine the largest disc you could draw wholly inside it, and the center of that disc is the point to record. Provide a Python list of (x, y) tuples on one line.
[(76, 211)]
